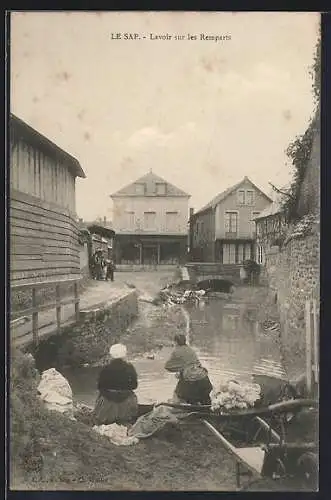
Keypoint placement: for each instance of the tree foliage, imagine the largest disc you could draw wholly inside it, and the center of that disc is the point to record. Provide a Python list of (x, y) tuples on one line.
[(316, 70), (299, 151)]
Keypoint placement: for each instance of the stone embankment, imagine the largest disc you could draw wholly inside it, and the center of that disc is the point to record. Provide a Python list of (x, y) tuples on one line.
[(293, 274)]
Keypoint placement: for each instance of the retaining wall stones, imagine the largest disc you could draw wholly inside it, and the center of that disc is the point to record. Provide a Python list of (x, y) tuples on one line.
[(293, 275)]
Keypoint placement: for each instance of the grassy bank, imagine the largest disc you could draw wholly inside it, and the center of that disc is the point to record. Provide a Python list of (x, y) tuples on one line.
[(51, 452), (48, 451)]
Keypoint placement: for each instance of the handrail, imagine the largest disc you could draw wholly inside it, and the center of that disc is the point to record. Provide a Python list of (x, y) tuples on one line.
[(42, 307), (57, 303), (41, 284)]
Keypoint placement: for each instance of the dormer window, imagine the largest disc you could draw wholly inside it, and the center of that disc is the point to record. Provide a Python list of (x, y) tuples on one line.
[(160, 188), (140, 188), (246, 197)]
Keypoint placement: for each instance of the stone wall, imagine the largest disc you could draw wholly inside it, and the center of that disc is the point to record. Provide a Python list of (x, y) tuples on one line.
[(293, 276)]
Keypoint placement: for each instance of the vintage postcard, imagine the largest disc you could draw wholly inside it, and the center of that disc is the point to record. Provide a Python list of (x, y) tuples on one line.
[(164, 250)]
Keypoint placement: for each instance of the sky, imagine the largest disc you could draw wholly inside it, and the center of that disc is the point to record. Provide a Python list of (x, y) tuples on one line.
[(199, 112)]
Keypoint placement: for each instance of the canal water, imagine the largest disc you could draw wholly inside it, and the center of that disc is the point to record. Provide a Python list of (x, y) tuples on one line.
[(228, 342)]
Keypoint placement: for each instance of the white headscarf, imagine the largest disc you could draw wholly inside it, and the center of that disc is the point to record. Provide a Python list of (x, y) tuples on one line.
[(118, 351)]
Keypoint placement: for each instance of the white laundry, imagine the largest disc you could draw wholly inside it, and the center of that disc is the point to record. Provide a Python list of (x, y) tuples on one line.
[(116, 433), (55, 391)]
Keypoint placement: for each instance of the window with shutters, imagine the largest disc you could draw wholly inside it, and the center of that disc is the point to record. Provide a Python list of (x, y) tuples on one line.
[(149, 221), (130, 220), (231, 221), (171, 221)]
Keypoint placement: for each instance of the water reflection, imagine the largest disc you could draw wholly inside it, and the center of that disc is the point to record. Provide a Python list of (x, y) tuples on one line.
[(226, 340)]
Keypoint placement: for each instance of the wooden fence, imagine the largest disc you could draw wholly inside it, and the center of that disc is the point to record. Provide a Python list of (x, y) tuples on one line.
[(57, 304), (312, 342)]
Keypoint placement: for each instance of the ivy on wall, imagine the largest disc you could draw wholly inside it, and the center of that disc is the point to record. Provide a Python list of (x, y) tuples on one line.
[(299, 151)]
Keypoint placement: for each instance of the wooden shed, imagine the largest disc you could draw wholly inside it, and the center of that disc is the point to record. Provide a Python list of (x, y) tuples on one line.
[(44, 235), (102, 237)]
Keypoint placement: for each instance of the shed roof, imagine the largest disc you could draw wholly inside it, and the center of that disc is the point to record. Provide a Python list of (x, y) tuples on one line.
[(276, 206), (101, 231), (273, 209), (33, 136)]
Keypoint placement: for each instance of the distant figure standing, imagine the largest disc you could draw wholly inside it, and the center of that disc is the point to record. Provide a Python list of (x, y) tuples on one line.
[(99, 263), (103, 266), (93, 266), (117, 403), (110, 270), (193, 385)]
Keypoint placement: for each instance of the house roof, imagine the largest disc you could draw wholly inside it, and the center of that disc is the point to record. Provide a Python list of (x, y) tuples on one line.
[(224, 194), (276, 206), (32, 136), (150, 180), (273, 209)]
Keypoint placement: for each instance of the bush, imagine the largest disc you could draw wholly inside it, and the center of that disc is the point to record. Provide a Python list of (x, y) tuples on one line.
[(252, 269)]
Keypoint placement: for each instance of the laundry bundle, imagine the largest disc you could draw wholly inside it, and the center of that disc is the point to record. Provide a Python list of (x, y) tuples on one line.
[(55, 392), (235, 395), (118, 434)]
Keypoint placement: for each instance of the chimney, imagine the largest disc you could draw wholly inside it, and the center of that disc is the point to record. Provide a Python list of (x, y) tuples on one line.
[(191, 212), (105, 220)]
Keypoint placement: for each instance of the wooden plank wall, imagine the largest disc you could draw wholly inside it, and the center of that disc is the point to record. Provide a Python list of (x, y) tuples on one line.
[(44, 240), (38, 174)]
